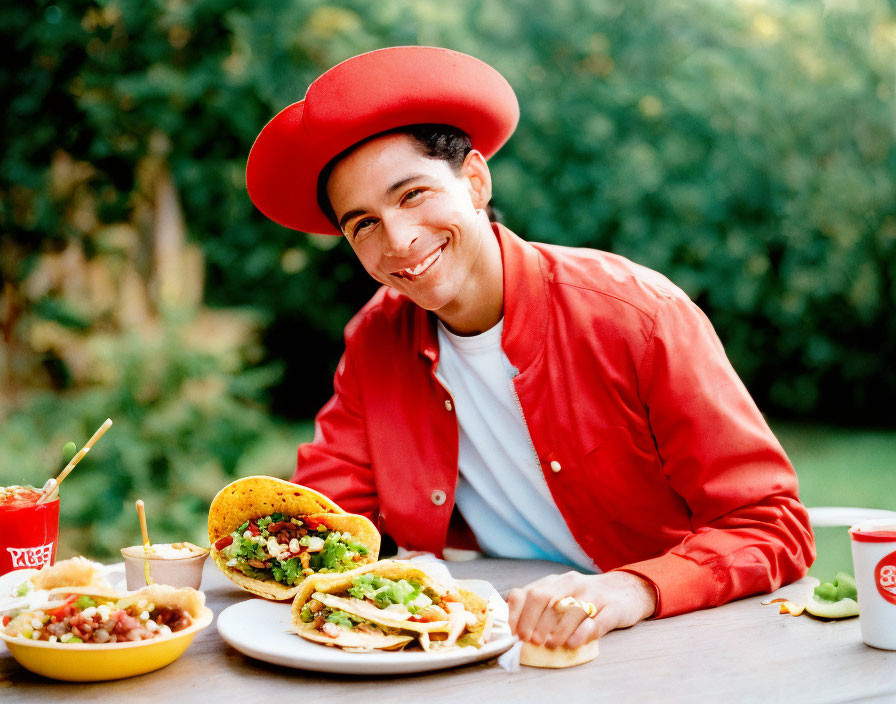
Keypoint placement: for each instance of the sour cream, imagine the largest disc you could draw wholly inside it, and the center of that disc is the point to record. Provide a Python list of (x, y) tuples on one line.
[(177, 564), (165, 551)]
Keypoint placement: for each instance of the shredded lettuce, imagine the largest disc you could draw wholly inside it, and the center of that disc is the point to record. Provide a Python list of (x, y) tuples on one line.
[(287, 571), (341, 618), (385, 592), (336, 556)]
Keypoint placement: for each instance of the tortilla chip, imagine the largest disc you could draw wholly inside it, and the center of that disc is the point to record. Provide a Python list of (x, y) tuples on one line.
[(74, 572), (255, 497)]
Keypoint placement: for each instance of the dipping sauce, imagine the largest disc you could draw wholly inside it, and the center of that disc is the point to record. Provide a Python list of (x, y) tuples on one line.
[(176, 564), (28, 531), (165, 551)]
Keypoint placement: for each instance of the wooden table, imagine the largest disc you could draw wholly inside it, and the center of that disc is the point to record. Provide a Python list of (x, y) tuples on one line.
[(741, 652)]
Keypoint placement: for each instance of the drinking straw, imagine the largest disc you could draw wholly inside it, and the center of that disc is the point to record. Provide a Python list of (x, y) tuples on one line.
[(141, 514), (45, 496)]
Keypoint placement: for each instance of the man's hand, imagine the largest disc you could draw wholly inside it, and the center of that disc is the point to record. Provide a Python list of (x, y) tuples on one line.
[(622, 600)]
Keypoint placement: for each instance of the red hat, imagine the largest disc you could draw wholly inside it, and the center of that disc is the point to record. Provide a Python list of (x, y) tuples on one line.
[(362, 96)]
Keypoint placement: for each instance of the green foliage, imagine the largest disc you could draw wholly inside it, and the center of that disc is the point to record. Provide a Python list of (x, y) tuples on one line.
[(839, 467), (746, 150), (183, 428)]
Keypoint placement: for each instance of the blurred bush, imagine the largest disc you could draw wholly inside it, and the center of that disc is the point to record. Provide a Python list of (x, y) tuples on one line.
[(184, 426), (744, 149)]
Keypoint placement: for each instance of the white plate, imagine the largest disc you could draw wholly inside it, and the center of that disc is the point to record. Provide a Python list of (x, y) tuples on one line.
[(263, 629)]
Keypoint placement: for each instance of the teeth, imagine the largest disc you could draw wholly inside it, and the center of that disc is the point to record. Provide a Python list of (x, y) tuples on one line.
[(424, 265)]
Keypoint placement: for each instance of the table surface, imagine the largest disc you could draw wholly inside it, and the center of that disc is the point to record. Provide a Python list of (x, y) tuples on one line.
[(742, 651)]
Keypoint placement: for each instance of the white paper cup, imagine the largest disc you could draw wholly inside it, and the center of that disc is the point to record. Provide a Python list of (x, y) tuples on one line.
[(874, 562)]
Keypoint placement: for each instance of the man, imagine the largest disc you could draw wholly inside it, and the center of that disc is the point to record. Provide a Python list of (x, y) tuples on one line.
[(532, 400)]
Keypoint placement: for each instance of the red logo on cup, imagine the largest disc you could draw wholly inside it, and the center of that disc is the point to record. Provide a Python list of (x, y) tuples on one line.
[(33, 557), (885, 577)]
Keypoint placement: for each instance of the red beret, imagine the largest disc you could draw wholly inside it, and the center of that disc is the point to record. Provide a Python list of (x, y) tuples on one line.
[(362, 96)]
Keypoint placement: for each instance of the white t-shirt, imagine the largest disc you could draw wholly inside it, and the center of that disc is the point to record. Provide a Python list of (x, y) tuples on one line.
[(501, 491)]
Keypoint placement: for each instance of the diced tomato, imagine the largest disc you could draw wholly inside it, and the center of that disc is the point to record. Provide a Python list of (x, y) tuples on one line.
[(253, 528), (6, 620), (60, 612), (223, 542)]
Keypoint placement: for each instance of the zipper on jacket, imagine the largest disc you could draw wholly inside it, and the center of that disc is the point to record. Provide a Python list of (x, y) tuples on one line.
[(519, 407)]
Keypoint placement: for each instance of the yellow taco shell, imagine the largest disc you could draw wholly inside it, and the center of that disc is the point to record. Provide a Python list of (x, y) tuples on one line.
[(255, 497)]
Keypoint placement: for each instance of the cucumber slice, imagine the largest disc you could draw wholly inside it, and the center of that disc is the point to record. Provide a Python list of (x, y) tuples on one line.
[(842, 608)]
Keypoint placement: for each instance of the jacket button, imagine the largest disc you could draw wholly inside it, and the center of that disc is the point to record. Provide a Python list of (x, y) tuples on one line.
[(448, 405), (555, 466), (438, 497)]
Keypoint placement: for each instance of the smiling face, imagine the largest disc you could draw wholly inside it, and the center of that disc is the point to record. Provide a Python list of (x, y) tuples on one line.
[(418, 227)]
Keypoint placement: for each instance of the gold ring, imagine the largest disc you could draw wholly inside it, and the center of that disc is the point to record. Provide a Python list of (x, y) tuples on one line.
[(568, 602)]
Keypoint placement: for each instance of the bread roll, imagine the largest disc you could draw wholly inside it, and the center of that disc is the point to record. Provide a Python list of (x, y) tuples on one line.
[(542, 656)]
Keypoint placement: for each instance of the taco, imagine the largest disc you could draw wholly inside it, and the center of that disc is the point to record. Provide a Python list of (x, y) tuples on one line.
[(388, 605), (91, 615), (268, 535)]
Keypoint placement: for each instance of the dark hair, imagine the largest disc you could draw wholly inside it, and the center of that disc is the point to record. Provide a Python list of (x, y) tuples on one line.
[(434, 141)]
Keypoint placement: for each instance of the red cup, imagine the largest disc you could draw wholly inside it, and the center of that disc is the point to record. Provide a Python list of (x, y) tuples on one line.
[(28, 532)]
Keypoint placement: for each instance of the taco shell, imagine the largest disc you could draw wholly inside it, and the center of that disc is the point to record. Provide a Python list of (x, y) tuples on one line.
[(188, 599), (192, 601), (254, 497)]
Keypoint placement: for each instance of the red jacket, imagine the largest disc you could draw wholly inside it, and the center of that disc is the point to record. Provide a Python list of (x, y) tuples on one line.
[(653, 450)]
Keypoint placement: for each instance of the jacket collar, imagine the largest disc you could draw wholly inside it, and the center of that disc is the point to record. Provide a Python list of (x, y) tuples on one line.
[(525, 304)]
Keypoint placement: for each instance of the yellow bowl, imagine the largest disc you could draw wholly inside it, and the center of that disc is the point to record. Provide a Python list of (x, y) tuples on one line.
[(85, 662)]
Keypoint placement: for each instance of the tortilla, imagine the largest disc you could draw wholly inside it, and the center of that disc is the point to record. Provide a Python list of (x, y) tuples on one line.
[(255, 497), (192, 601), (74, 572), (329, 590), (542, 656), (189, 600), (364, 609), (357, 640)]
